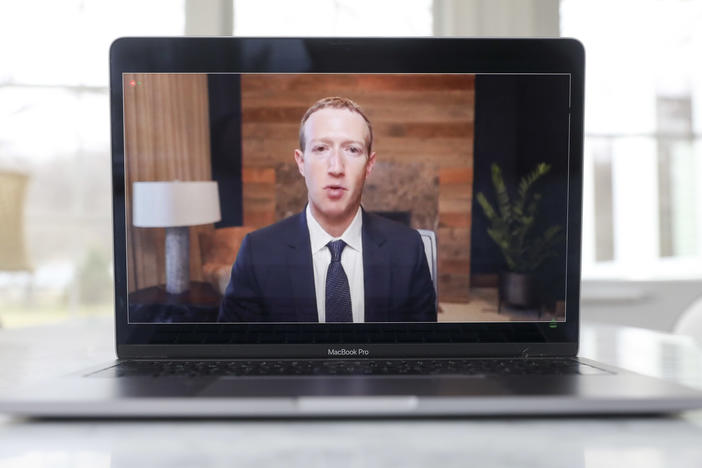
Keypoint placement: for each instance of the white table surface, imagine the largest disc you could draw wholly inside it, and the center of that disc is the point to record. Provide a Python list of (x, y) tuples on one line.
[(621, 442)]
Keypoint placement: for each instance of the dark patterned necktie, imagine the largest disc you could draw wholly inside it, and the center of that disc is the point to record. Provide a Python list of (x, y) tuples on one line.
[(338, 297)]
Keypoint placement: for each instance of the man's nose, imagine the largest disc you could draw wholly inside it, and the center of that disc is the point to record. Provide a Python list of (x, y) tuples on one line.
[(335, 163)]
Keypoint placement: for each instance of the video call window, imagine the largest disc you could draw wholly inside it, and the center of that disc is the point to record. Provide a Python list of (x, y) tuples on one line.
[(337, 198)]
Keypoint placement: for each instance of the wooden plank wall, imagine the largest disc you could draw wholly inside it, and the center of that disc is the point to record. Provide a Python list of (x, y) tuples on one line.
[(416, 118), (167, 137)]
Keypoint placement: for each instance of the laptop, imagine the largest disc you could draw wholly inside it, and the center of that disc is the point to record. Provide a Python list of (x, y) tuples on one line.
[(328, 227)]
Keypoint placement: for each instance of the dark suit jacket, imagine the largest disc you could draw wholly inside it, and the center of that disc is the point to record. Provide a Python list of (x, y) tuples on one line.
[(273, 279)]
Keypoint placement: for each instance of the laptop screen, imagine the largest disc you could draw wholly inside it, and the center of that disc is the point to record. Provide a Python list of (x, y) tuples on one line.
[(311, 198)]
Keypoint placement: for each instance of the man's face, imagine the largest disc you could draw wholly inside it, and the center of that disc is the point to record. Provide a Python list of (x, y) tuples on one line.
[(335, 162)]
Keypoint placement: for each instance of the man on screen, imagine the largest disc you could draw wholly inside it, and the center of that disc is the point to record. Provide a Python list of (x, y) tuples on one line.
[(333, 262)]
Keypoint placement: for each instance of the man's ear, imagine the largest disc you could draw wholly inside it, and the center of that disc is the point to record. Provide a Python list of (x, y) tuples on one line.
[(370, 164), (300, 160)]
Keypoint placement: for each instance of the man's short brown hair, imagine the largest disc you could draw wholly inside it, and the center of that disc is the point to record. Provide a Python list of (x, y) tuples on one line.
[(335, 102)]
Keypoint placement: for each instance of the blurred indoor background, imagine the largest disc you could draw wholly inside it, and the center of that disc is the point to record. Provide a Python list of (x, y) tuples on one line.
[(642, 225)]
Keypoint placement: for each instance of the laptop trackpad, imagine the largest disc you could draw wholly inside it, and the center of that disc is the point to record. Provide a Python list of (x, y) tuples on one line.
[(352, 386)]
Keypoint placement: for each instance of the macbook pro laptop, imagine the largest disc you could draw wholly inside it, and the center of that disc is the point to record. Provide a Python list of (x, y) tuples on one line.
[(321, 227)]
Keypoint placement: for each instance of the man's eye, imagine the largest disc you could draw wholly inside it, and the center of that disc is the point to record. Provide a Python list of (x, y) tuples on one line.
[(319, 148), (354, 150)]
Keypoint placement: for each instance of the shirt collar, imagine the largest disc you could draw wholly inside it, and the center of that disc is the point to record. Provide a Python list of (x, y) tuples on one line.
[(319, 238)]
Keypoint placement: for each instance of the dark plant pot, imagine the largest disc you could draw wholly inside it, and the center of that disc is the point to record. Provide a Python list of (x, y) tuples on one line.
[(518, 289)]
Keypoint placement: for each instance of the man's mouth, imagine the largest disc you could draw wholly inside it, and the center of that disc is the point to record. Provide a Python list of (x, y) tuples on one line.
[(334, 191)]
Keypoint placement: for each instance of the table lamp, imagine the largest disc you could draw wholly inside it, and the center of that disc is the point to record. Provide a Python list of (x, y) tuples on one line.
[(175, 205)]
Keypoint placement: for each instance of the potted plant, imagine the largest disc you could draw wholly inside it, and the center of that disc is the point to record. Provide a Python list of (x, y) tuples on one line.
[(524, 244)]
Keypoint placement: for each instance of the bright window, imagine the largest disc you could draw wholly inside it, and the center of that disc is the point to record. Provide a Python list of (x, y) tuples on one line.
[(333, 18), (643, 122), (55, 129)]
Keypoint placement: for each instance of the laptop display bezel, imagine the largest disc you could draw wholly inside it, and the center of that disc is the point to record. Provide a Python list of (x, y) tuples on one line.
[(347, 55)]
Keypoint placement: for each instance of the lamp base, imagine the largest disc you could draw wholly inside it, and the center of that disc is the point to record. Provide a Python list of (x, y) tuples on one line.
[(177, 259)]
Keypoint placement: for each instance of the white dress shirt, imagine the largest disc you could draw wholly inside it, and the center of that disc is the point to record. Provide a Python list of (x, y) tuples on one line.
[(351, 261)]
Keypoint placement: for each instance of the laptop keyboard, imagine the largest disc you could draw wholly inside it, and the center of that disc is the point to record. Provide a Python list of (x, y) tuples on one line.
[(377, 367)]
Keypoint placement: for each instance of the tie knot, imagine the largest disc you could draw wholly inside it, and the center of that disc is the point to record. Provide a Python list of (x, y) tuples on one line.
[(336, 247)]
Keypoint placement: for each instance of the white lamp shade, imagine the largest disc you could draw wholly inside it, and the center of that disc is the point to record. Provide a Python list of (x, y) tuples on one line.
[(175, 203)]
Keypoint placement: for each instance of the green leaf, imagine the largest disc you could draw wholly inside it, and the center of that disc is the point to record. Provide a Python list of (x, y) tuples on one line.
[(486, 206), (503, 203)]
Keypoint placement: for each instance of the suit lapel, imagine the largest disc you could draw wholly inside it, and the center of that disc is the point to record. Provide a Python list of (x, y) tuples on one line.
[(300, 271), (376, 272)]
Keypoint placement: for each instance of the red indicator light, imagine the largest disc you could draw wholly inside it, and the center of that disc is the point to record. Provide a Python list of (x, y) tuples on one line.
[(132, 83)]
